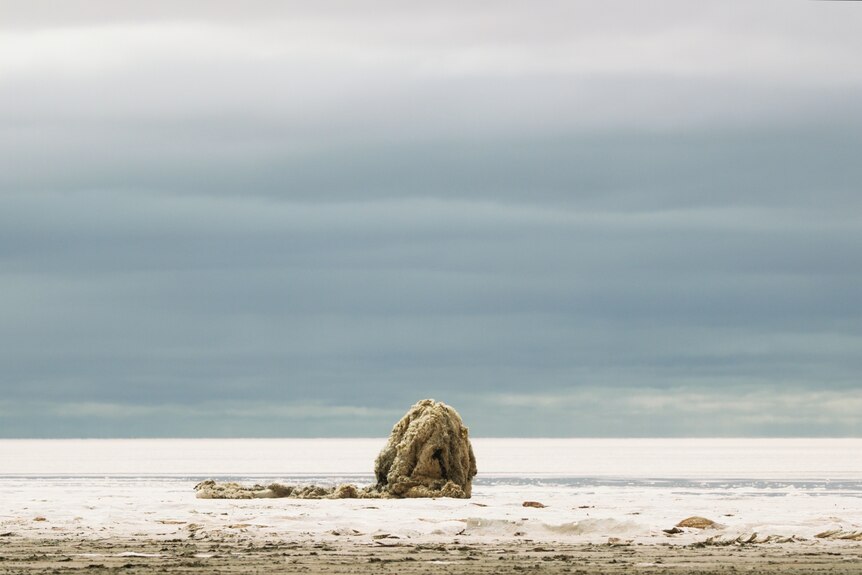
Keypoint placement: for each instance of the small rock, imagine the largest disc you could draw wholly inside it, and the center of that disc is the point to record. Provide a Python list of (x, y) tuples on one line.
[(672, 530), (40, 518), (535, 504), (696, 522)]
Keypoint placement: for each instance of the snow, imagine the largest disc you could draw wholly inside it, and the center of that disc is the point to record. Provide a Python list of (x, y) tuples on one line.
[(594, 489)]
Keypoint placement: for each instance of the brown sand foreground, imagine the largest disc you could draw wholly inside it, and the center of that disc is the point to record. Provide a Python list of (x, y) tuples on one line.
[(30, 555)]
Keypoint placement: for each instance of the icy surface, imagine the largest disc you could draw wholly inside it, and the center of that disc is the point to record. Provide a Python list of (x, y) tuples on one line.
[(593, 489)]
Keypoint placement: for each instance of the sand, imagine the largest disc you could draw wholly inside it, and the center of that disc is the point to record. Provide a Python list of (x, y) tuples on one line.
[(370, 556)]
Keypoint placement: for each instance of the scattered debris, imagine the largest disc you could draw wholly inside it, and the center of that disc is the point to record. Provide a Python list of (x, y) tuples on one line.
[(746, 539), (840, 534), (346, 532)]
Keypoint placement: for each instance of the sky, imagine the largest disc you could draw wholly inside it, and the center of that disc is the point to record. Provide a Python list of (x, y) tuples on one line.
[(298, 218)]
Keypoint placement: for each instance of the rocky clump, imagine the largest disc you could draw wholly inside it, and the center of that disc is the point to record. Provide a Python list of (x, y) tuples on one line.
[(428, 454), (696, 523), (209, 489)]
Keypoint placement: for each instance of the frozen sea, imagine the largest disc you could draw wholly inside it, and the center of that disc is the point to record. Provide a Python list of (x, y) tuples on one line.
[(593, 489)]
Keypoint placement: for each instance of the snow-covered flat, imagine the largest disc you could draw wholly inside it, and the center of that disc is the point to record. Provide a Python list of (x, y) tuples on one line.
[(592, 490)]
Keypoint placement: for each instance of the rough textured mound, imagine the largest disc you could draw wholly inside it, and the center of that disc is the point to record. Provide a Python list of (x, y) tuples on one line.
[(428, 454), (697, 522), (209, 489)]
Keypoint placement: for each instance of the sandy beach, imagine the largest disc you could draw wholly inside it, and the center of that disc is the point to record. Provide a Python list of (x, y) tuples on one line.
[(239, 555)]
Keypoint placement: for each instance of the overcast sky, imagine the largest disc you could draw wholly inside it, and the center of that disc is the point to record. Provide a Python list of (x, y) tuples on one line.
[(298, 218)]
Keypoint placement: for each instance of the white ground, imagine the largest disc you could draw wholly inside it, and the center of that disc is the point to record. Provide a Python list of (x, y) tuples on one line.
[(593, 489)]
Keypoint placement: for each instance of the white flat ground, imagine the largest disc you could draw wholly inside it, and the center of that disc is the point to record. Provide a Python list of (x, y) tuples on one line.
[(593, 490)]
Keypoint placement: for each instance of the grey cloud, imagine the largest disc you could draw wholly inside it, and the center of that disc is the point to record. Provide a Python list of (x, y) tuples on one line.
[(802, 167), (300, 218)]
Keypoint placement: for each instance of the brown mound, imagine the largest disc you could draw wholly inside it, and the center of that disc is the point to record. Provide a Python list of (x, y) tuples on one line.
[(428, 454), (696, 522)]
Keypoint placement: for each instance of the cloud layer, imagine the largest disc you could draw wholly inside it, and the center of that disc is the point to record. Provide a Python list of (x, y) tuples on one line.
[(297, 219)]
